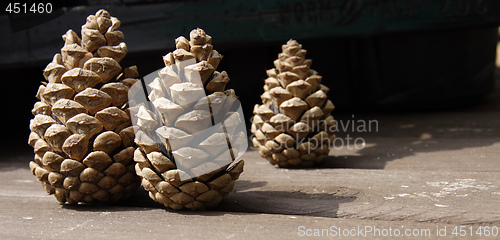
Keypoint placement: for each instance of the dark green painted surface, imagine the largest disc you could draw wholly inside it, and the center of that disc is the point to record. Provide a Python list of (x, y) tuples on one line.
[(265, 20), (243, 20)]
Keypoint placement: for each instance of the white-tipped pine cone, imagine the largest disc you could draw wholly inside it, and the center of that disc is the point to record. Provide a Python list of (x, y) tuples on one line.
[(189, 129), (81, 133), (293, 126)]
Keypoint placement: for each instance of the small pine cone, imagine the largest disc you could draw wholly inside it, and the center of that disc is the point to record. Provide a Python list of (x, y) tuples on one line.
[(81, 129), (190, 138), (293, 126)]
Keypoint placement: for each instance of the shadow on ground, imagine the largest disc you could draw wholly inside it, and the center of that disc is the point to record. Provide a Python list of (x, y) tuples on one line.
[(400, 135), (258, 197), (140, 201), (248, 197)]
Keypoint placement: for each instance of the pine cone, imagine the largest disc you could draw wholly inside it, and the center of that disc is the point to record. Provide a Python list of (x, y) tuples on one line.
[(293, 126), (189, 129), (81, 133)]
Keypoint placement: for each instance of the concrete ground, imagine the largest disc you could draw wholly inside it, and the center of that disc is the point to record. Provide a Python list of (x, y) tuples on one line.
[(425, 175)]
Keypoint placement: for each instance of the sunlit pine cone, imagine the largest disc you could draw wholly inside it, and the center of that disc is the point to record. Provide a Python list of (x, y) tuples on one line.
[(81, 133), (184, 129), (293, 126)]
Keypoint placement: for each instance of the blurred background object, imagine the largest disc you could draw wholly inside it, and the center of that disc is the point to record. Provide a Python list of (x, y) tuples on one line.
[(373, 54), (498, 51)]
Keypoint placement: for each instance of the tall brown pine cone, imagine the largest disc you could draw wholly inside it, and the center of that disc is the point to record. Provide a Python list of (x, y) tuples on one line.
[(81, 133), (293, 127)]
